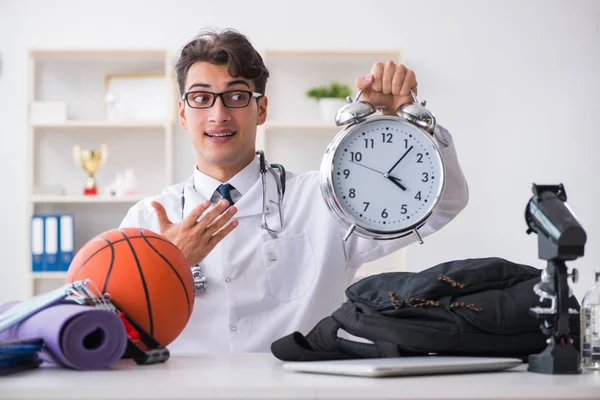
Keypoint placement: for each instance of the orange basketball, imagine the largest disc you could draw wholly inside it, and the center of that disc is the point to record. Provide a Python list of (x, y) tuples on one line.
[(145, 274)]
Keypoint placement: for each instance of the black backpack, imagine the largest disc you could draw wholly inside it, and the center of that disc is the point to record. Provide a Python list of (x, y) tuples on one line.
[(472, 307)]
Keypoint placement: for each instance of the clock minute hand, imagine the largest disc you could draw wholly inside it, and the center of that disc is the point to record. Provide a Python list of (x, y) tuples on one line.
[(364, 166), (398, 162), (394, 180)]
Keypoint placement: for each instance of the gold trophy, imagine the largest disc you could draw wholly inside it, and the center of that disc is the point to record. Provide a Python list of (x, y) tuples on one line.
[(90, 161)]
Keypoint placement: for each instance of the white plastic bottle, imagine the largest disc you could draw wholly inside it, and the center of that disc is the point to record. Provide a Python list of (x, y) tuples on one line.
[(129, 183), (590, 326)]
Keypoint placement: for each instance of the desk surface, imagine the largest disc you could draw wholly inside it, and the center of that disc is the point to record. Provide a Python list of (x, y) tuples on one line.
[(260, 376)]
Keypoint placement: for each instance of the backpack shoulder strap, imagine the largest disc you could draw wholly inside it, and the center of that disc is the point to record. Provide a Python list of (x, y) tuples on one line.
[(322, 343)]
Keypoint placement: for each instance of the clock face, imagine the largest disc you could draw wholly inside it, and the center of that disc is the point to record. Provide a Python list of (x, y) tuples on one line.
[(387, 174)]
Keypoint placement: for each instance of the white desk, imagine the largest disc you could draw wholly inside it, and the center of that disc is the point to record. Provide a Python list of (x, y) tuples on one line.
[(259, 376)]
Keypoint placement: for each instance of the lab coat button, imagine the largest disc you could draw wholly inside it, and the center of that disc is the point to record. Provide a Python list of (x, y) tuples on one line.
[(233, 329), (228, 280)]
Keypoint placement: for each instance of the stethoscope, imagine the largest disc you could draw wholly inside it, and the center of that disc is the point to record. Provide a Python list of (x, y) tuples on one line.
[(279, 181), (280, 176)]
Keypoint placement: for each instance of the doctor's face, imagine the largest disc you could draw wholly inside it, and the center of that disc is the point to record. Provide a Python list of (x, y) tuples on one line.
[(224, 137)]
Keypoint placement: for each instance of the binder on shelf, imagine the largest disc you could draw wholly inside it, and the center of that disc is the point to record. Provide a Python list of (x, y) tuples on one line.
[(51, 240), (66, 242), (37, 243)]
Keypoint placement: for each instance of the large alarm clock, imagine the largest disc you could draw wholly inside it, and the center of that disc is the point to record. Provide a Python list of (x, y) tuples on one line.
[(382, 176)]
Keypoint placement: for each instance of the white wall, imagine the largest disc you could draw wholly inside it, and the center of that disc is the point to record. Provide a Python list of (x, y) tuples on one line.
[(516, 82)]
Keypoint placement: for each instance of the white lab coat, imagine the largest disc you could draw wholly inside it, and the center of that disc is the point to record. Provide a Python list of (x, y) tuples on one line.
[(260, 289)]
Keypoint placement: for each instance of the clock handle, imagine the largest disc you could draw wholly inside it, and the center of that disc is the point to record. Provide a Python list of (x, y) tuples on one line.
[(349, 99), (412, 93), (414, 96)]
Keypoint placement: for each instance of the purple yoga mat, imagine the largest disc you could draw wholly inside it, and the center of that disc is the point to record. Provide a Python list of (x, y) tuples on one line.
[(75, 336)]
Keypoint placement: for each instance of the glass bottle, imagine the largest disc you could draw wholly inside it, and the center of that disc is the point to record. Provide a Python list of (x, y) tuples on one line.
[(590, 326)]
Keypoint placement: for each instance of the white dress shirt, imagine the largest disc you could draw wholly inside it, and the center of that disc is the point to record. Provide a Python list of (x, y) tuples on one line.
[(260, 289), (243, 181)]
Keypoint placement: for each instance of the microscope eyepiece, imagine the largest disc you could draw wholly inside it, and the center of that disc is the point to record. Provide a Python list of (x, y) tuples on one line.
[(548, 215)]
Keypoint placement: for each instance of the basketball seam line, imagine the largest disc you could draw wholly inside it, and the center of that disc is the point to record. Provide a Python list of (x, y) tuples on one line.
[(89, 258), (187, 297), (110, 268), (134, 237), (137, 261)]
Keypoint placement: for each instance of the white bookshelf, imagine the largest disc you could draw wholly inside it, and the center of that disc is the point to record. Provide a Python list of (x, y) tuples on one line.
[(78, 77), (99, 125), (86, 199), (58, 275), (311, 126), (295, 134)]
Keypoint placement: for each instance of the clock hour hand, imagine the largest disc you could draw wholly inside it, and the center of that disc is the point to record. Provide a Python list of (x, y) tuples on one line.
[(396, 182), (398, 162)]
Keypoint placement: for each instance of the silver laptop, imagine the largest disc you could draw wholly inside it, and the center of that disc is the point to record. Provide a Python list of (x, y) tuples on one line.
[(401, 366)]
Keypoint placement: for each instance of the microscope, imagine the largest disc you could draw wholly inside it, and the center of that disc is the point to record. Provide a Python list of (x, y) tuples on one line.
[(560, 238)]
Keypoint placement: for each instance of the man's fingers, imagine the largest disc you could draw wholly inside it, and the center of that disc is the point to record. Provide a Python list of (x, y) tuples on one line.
[(193, 216), (161, 214), (398, 79), (377, 72), (210, 216), (364, 82), (221, 233), (209, 243), (220, 221), (410, 82), (388, 75)]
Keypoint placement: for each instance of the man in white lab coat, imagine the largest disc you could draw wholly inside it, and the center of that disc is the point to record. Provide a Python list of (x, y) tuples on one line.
[(260, 288)]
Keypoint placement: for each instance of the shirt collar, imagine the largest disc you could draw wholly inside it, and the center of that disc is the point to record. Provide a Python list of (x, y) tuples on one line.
[(242, 181)]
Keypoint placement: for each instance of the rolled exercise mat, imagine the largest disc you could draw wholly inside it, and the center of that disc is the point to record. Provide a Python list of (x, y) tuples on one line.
[(75, 336)]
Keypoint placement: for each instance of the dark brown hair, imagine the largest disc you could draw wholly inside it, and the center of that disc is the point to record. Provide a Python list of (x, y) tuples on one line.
[(226, 47)]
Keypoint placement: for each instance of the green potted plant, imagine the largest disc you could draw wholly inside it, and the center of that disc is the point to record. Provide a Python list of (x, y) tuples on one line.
[(330, 98)]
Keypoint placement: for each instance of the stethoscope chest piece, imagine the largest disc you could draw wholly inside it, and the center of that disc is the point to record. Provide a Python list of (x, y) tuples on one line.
[(199, 278)]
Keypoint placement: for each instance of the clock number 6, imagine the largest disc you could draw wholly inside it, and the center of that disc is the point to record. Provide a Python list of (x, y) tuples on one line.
[(384, 213)]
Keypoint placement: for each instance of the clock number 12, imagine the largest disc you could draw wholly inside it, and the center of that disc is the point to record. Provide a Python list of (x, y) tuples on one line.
[(386, 137)]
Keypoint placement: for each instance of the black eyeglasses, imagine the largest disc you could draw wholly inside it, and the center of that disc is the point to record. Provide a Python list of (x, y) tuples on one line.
[(231, 99)]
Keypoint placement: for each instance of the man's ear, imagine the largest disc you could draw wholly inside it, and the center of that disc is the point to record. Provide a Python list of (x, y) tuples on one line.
[(261, 116), (182, 118)]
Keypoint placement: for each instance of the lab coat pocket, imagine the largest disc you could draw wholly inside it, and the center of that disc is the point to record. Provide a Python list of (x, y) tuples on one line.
[(289, 266)]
